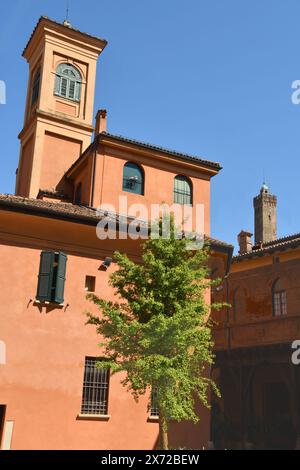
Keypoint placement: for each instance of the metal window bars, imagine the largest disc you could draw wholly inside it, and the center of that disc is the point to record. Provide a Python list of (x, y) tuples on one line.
[(154, 403), (95, 388)]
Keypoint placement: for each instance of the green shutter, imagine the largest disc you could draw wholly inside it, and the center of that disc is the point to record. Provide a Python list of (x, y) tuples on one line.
[(60, 278), (57, 84), (71, 94), (78, 91), (45, 276), (63, 87)]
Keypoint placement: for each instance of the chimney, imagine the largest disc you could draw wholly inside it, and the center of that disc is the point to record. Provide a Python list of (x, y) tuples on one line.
[(245, 242), (100, 121)]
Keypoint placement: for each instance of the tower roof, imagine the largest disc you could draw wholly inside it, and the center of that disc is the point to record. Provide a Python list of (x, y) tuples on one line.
[(63, 28)]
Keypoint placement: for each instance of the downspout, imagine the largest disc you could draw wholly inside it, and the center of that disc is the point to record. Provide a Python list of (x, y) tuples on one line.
[(228, 311), (93, 174), (226, 277)]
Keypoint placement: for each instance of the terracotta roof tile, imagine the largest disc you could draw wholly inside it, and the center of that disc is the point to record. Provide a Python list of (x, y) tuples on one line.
[(60, 24), (68, 211), (185, 156), (289, 241)]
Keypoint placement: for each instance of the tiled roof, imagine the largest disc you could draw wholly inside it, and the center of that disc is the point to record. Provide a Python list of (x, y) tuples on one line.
[(290, 241), (63, 210), (72, 212), (60, 24), (53, 194), (183, 156), (213, 241)]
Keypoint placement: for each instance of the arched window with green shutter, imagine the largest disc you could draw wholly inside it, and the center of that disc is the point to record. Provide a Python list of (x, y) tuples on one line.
[(133, 178), (68, 82), (183, 191), (52, 277)]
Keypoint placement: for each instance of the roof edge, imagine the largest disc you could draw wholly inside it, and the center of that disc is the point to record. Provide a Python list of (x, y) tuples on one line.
[(213, 166), (101, 41)]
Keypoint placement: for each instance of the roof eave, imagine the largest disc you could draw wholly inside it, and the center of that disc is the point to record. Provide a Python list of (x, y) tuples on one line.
[(209, 167), (266, 251), (94, 41)]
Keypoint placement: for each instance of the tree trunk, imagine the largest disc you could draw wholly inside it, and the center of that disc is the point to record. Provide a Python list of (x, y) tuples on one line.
[(163, 433)]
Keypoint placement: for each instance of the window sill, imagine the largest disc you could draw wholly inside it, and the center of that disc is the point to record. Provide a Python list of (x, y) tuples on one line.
[(65, 98), (153, 419), (82, 416), (132, 192), (48, 303)]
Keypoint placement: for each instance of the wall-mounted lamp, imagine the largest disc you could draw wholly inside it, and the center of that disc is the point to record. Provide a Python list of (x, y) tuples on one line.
[(217, 289), (106, 263)]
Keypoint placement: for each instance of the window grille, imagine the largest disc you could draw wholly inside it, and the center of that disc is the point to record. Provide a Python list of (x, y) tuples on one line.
[(279, 300), (95, 388), (154, 403), (182, 190)]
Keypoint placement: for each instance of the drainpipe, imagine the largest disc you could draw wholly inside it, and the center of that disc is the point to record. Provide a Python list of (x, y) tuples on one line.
[(93, 173), (228, 312)]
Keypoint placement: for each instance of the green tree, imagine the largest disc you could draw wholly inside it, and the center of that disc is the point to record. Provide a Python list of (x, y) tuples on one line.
[(158, 331)]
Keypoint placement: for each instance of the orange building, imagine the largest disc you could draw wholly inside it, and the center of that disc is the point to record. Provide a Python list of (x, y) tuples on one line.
[(51, 394), (259, 382)]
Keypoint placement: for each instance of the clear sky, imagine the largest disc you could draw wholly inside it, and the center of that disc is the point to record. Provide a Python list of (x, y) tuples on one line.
[(208, 77)]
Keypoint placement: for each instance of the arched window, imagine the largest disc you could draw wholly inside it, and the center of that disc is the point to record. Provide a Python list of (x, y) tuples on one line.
[(133, 178), (183, 193), (78, 194), (36, 87), (279, 299), (68, 82)]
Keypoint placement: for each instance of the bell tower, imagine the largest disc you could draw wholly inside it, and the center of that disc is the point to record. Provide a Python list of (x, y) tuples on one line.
[(58, 122), (265, 216)]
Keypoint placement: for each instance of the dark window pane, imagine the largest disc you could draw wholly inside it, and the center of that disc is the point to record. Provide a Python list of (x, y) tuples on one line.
[(182, 190), (36, 87), (133, 178)]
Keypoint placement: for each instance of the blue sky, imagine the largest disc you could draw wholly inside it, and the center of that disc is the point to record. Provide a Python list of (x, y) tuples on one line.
[(209, 77)]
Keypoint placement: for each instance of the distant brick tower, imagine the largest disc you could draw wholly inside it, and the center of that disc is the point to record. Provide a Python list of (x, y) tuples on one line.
[(265, 216)]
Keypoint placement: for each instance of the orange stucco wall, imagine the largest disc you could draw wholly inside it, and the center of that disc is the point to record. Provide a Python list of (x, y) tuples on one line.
[(41, 383), (25, 166), (58, 155), (159, 174)]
